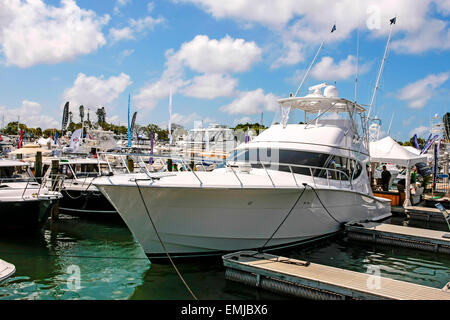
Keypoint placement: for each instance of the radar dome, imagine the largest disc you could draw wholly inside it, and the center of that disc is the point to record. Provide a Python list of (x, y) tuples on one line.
[(331, 92)]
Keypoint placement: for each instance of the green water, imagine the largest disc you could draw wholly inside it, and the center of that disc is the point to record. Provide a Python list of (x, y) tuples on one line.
[(112, 265)]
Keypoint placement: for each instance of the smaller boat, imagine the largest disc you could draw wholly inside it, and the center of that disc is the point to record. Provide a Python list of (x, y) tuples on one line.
[(6, 270), (24, 202), (80, 196)]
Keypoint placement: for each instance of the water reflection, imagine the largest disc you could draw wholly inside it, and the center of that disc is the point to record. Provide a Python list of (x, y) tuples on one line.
[(112, 265)]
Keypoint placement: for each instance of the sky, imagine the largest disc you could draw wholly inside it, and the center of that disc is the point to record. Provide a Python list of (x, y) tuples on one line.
[(226, 62)]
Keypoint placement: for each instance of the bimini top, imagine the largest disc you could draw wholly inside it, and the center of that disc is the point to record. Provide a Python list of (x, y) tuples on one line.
[(315, 101)]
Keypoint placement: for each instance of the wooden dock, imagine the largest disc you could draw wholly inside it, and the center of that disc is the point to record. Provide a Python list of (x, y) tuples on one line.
[(388, 234), (315, 281), (425, 214)]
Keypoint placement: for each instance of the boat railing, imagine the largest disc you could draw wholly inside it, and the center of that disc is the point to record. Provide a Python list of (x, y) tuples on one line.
[(317, 174), (54, 182)]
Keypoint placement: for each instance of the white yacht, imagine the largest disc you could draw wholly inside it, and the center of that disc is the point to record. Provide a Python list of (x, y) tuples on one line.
[(292, 183), (24, 203)]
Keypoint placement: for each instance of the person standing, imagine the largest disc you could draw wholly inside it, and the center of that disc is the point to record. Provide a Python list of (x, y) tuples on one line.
[(385, 179)]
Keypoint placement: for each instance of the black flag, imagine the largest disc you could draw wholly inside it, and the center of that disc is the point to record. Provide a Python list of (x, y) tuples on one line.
[(65, 118), (133, 121), (393, 20)]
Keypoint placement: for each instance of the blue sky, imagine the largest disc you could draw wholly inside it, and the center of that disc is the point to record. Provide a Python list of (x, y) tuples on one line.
[(226, 61)]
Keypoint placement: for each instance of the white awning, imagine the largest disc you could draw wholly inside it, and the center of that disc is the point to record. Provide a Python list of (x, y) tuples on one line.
[(387, 150)]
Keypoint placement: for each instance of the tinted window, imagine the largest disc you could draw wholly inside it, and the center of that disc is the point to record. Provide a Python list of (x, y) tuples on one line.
[(340, 168)]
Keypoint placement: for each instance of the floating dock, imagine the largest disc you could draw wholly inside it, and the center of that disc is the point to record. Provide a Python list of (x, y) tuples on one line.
[(314, 281), (6, 270), (424, 214), (407, 237)]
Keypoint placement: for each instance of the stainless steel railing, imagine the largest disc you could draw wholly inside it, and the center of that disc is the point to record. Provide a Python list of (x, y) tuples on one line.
[(344, 180)]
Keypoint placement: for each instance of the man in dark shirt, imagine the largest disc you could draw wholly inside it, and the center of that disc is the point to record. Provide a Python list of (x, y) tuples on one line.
[(385, 179)]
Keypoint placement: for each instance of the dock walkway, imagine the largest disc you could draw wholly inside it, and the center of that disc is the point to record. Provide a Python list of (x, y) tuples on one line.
[(424, 214), (388, 234), (315, 281)]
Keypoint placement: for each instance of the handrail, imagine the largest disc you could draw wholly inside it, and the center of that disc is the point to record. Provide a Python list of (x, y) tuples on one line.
[(340, 175)]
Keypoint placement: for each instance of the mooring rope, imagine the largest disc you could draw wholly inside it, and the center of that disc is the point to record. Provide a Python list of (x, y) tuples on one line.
[(282, 222), (162, 243), (328, 212)]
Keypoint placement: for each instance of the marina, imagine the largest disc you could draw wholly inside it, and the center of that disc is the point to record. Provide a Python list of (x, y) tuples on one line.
[(292, 190)]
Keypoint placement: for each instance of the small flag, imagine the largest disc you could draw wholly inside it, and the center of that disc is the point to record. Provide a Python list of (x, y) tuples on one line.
[(334, 29), (393, 20)]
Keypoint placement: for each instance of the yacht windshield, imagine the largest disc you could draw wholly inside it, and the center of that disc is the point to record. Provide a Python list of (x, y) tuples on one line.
[(15, 174), (319, 165)]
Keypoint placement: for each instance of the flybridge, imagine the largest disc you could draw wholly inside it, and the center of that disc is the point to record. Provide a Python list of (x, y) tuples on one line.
[(316, 102)]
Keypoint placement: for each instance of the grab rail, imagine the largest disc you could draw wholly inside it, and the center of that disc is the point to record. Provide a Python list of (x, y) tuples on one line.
[(340, 175)]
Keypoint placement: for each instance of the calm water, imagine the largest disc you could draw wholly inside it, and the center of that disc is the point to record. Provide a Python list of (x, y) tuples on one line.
[(112, 265)]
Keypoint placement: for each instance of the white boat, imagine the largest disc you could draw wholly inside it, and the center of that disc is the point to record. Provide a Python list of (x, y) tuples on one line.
[(80, 196), (292, 183), (24, 203), (6, 270)]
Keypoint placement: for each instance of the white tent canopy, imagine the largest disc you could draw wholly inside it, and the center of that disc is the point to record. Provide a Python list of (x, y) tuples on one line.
[(387, 150)]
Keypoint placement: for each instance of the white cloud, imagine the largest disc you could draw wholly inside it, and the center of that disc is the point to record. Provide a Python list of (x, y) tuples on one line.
[(302, 23), (135, 27), (434, 35), (211, 86), (30, 114), (418, 93), (267, 12), (124, 54), (327, 69), (218, 56), (95, 92), (420, 131), (32, 32), (251, 102), (119, 4), (443, 6), (215, 59), (291, 54)]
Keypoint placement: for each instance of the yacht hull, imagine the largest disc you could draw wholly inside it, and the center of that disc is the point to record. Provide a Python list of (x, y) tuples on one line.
[(86, 203), (209, 221), (25, 215)]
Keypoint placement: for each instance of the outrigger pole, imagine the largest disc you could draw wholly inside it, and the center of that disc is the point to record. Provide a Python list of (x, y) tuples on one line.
[(310, 67), (393, 21)]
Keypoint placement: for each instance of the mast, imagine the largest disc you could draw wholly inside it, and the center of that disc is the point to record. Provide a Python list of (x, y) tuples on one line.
[(390, 125), (129, 124), (357, 67), (170, 118), (393, 21)]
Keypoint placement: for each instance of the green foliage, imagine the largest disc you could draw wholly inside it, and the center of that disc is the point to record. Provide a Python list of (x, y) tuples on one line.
[(252, 126), (163, 134)]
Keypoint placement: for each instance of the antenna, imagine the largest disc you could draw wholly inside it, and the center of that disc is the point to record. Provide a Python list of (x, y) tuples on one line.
[(357, 67), (312, 63), (393, 21)]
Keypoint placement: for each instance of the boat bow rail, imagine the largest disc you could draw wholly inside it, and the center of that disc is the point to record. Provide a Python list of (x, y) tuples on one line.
[(342, 179)]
